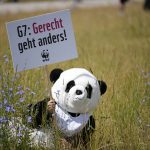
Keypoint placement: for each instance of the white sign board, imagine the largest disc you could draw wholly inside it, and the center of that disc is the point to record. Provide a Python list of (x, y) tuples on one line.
[(41, 40)]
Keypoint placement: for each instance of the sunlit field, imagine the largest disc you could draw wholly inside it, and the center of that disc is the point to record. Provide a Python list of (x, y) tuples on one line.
[(117, 50)]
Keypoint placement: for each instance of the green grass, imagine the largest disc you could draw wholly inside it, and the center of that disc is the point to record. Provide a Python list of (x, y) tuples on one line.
[(117, 49)]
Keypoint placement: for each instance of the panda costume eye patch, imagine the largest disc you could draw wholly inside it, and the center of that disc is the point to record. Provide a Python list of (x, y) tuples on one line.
[(69, 86), (89, 91)]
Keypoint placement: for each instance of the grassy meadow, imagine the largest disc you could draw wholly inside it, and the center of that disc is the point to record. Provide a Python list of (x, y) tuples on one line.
[(117, 50)]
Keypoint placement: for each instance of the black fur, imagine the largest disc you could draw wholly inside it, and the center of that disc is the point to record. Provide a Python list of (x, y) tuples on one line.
[(41, 118), (74, 114), (103, 87), (89, 91), (54, 75), (69, 86)]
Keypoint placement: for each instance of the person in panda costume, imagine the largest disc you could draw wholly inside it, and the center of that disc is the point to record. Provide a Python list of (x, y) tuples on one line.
[(75, 94)]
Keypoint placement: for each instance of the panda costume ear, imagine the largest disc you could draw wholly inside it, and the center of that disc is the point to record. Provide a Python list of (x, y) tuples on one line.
[(103, 87), (54, 75)]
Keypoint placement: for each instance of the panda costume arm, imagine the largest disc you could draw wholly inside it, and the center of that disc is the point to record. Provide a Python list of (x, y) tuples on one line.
[(41, 117)]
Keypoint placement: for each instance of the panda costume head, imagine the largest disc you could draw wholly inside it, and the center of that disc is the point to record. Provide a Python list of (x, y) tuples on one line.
[(76, 92)]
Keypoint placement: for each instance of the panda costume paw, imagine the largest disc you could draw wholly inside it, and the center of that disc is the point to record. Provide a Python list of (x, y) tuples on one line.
[(76, 93)]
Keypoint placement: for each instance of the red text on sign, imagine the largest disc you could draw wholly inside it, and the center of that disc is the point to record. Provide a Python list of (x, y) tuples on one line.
[(53, 25)]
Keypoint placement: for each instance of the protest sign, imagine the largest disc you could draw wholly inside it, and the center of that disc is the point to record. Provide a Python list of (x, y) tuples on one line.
[(41, 40)]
